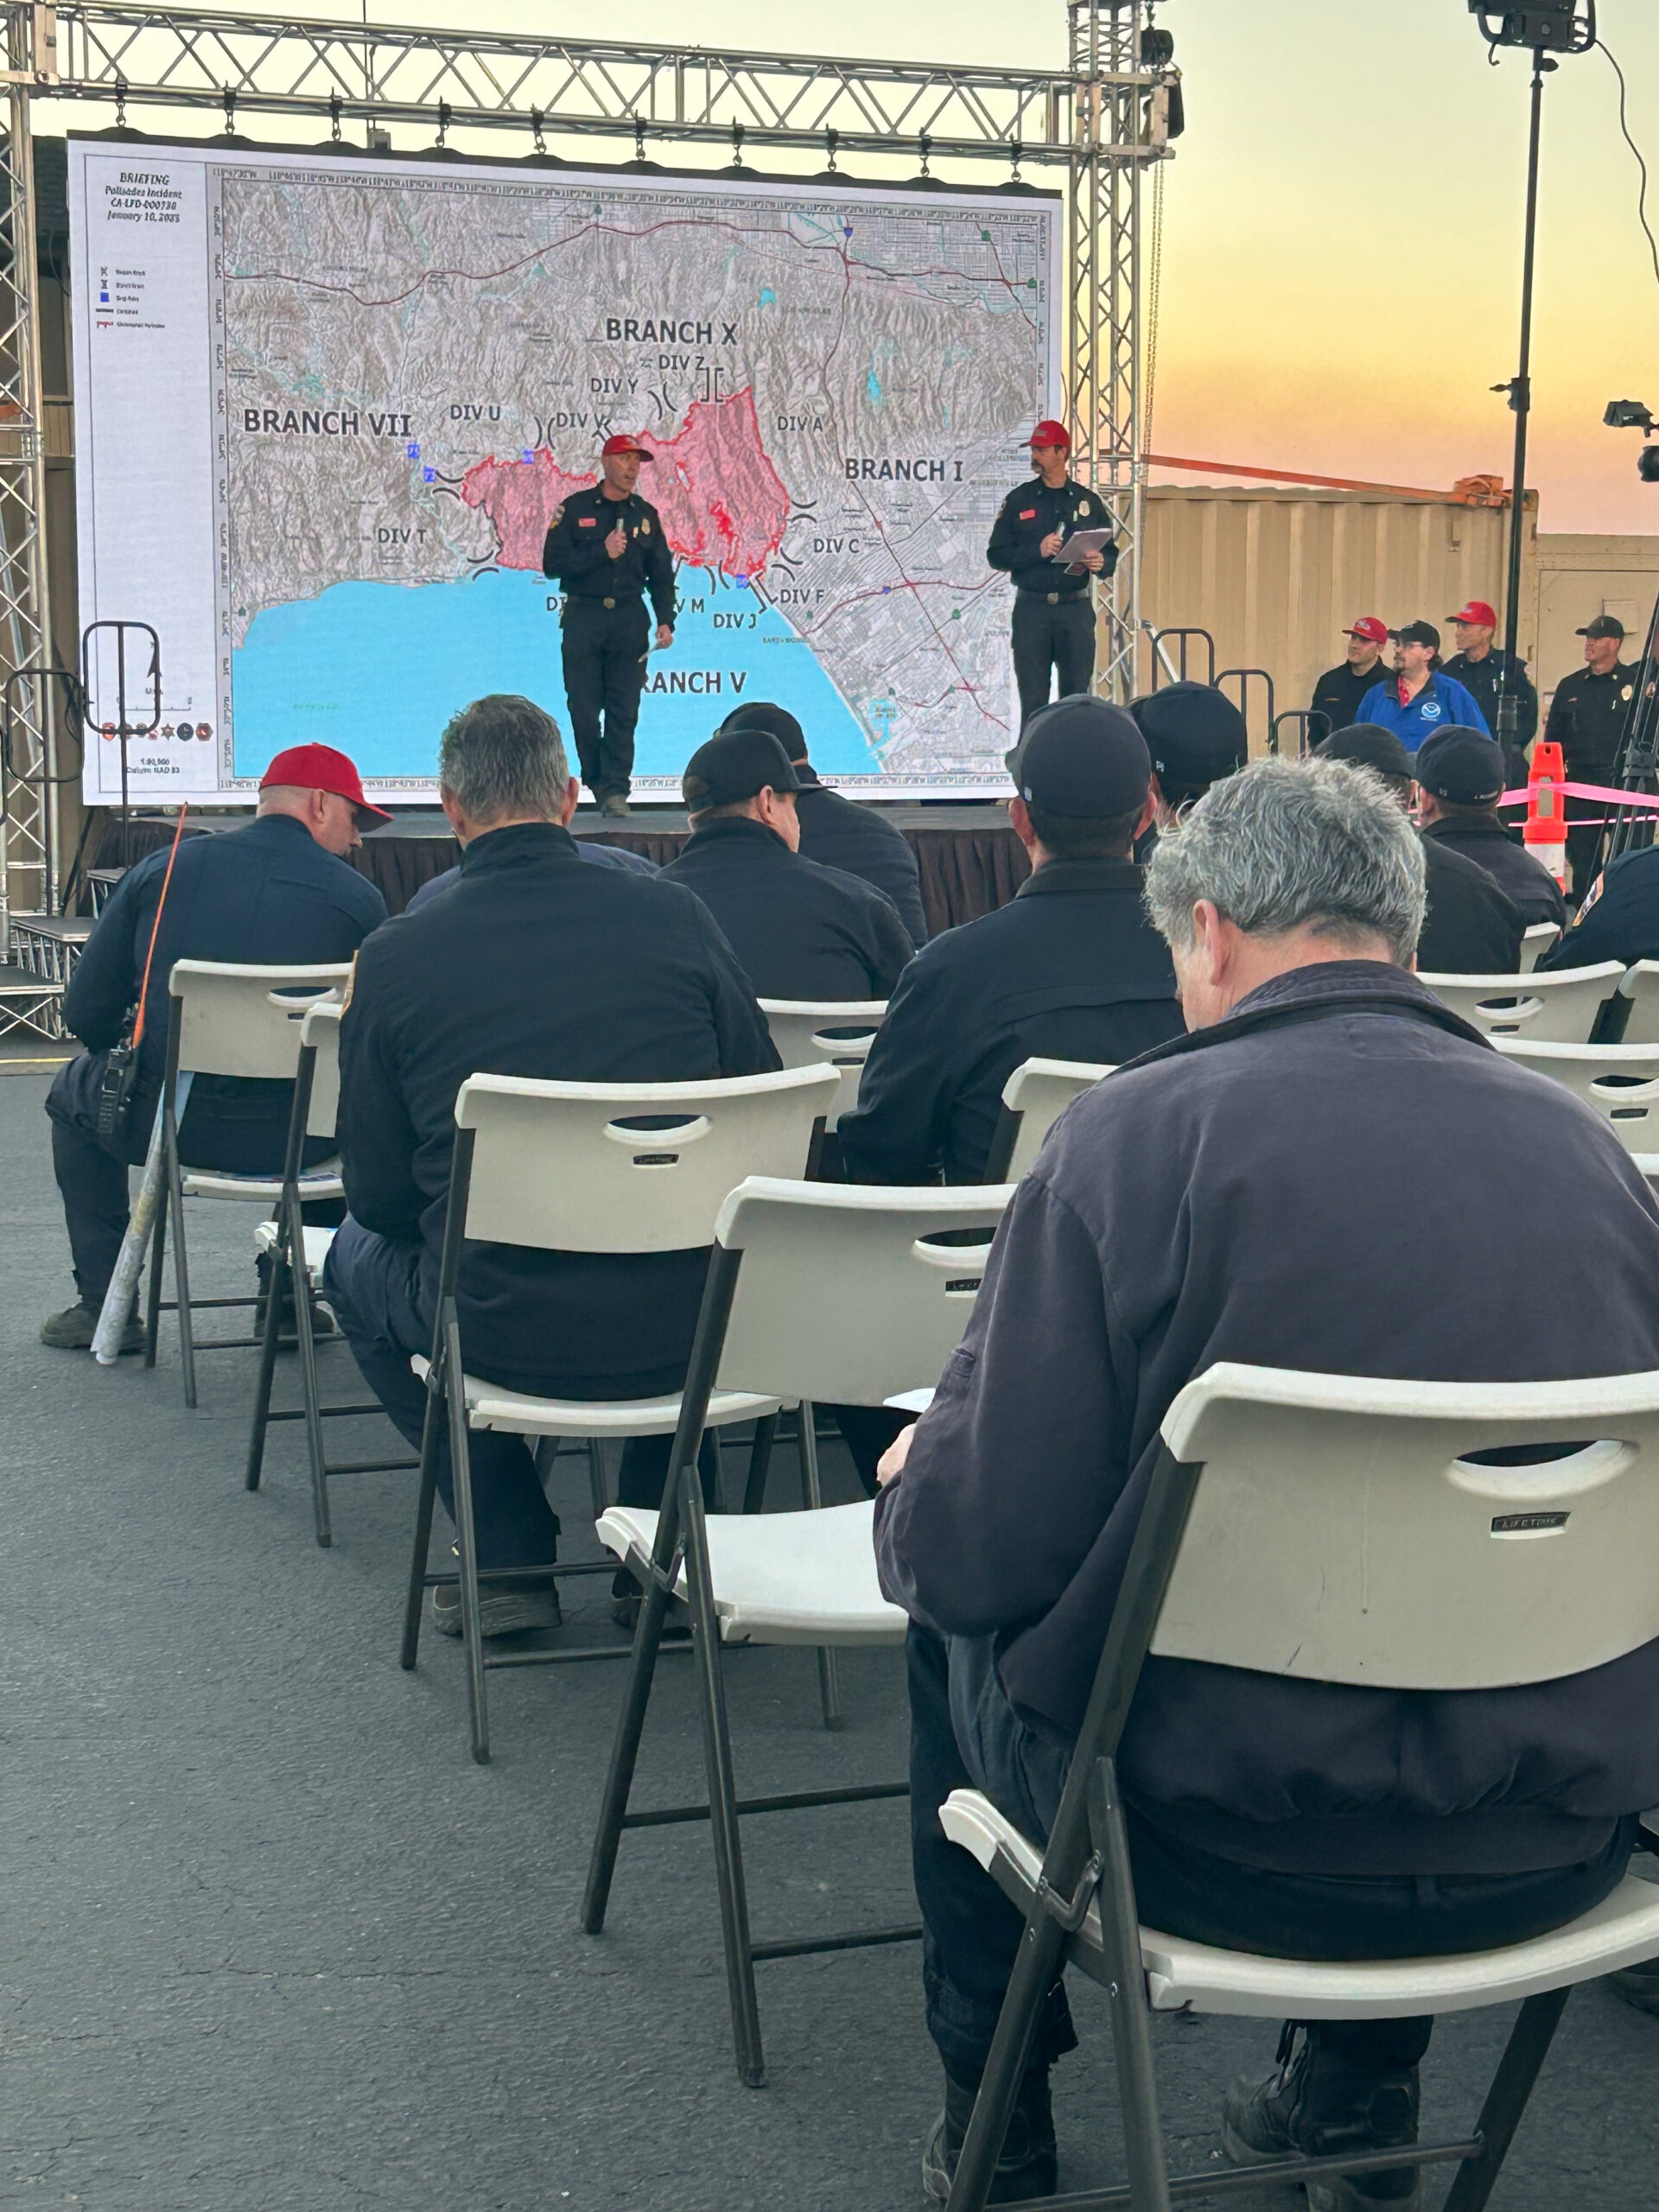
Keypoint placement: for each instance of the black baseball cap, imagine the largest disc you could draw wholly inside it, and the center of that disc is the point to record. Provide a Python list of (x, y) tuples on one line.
[(1367, 745), (1081, 757), (1605, 625), (761, 713), (733, 766), (1460, 764), (1194, 733), (1418, 634)]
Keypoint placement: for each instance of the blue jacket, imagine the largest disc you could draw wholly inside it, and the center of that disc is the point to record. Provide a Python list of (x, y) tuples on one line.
[(599, 855), (1443, 703)]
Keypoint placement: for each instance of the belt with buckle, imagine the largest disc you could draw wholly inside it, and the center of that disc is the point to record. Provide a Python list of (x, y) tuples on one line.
[(607, 603), (1048, 598)]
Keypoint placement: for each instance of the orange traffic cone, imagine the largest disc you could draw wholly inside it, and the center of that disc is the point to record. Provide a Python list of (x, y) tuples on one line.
[(1545, 833)]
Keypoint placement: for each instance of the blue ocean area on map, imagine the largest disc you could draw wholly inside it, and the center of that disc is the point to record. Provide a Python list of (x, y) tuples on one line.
[(377, 669)]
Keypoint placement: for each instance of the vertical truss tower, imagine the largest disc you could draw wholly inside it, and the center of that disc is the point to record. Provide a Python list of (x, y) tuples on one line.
[(1101, 125)]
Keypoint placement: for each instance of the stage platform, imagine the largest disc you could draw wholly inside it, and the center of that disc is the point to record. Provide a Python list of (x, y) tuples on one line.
[(969, 858)]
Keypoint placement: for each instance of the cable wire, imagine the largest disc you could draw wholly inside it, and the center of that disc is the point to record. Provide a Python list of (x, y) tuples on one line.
[(1642, 196)]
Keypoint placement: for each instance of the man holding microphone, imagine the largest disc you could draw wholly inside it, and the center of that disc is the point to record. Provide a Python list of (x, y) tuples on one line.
[(606, 549), (1053, 615)]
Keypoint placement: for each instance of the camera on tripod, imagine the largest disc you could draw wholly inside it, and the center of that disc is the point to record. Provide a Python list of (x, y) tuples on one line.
[(1549, 27), (1632, 415)]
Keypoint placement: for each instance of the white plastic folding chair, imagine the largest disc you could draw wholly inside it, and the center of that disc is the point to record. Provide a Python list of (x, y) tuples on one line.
[(822, 1292), (225, 1019), (1640, 986), (1033, 1098), (633, 1167), (1557, 1009), (1535, 942), (806, 1030), (297, 1253), (1337, 1530), (1620, 1081)]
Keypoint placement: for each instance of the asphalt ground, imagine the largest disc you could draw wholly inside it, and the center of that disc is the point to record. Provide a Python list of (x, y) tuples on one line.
[(270, 1940)]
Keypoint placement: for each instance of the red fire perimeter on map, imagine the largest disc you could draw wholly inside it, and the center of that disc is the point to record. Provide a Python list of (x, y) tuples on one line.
[(722, 502)]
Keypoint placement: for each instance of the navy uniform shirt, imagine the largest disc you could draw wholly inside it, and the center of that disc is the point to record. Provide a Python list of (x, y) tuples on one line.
[(837, 832), (1482, 838), (1619, 919), (1027, 515), (587, 850), (1471, 926), (574, 551), (1480, 679), (1586, 719), (265, 895), (533, 965), (1338, 694), (1070, 969), (800, 930)]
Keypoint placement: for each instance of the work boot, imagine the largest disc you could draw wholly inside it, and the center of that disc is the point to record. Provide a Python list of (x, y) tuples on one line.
[(1315, 2103), (1639, 1986), (323, 1324), (501, 1611), (614, 806), (74, 1329), (1029, 2164)]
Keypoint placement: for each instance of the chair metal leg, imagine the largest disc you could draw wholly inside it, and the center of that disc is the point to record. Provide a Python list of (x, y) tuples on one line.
[(299, 1277), (812, 1498), (624, 1753), (426, 1493), (723, 1793), (1035, 1970), (754, 1492), (460, 1477), (260, 1429), (152, 1297), (1506, 2101), (181, 1285), (598, 1483), (1137, 2084)]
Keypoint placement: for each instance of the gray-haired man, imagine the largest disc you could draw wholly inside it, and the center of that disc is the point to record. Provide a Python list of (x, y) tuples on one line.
[(530, 965), (1270, 1188)]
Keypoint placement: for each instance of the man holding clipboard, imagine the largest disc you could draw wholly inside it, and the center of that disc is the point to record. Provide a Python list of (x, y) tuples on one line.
[(1041, 523)]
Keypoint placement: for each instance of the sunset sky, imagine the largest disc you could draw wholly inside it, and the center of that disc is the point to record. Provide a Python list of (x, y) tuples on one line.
[(1343, 223)]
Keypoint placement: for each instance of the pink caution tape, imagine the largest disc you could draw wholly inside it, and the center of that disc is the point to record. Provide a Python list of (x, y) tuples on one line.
[(1604, 791)]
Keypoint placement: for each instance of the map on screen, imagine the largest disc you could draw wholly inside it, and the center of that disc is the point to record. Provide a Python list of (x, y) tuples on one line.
[(327, 408)]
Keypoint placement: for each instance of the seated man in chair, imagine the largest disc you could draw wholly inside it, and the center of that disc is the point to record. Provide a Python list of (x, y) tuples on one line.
[(277, 890), (1319, 1176), (531, 965)]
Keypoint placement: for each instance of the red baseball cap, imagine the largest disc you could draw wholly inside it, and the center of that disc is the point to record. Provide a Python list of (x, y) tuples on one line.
[(320, 768), (1050, 434), (1374, 632), (1476, 611), (623, 443)]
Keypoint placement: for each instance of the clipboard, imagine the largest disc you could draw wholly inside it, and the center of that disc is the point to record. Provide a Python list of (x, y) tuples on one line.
[(1081, 542)]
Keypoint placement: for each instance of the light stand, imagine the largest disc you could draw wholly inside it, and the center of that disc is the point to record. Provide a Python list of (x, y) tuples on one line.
[(1546, 28)]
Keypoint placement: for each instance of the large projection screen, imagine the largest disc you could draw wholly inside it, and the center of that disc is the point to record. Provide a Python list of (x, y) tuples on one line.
[(327, 406)]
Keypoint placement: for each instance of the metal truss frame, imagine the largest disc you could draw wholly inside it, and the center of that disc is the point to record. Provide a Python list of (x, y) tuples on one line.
[(1102, 122)]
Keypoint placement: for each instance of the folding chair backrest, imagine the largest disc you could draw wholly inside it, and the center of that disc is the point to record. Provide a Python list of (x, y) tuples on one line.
[(566, 1166), (842, 1297), (1038, 1093), (1535, 942), (1620, 1081), (1342, 1533), (1640, 988), (1557, 1009), (809, 1030), (242, 1020), (320, 1029)]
